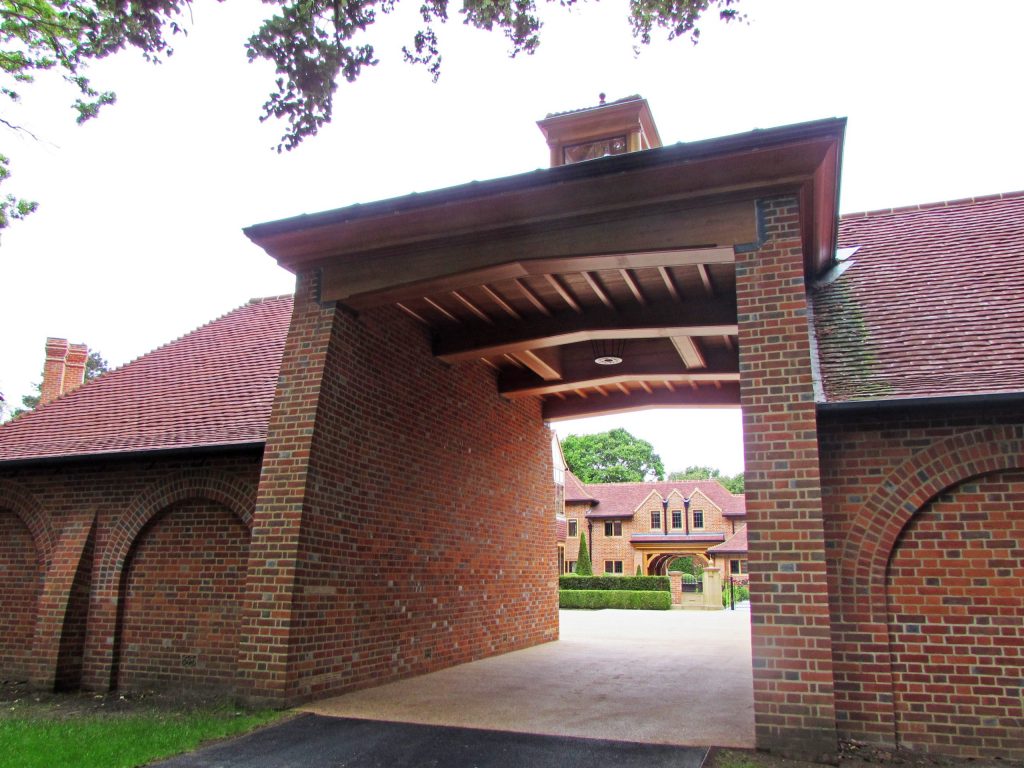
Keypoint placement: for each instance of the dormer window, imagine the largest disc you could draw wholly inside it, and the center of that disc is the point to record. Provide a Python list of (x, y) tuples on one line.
[(591, 150)]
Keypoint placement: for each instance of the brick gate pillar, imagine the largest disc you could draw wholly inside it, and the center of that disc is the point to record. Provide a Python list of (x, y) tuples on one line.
[(274, 550), (794, 702)]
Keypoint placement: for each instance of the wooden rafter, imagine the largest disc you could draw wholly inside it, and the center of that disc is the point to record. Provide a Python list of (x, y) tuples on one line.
[(634, 288), (645, 387), (410, 313), (670, 284), (563, 291), (479, 313), (497, 299), (441, 309), (515, 385), (705, 279), (689, 351), (532, 297), (595, 285), (546, 363)]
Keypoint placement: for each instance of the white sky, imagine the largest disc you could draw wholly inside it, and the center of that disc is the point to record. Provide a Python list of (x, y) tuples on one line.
[(138, 238)]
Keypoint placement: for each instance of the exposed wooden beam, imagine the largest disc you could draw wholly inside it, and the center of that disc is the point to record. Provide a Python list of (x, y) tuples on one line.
[(532, 297), (696, 318), (563, 291), (497, 299), (705, 279), (706, 397), (479, 313), (670, 284), (622, 388), (645, 387), (633, 287), (689, 352), (488, 363), (442, 310), (546, 363), (512, 359), (515, 385), (595, 285), (410, 313)]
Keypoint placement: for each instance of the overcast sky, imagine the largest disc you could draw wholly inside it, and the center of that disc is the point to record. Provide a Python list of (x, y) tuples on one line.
[(138, 238)]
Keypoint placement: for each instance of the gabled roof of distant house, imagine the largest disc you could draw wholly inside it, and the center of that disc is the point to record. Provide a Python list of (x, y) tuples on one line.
[(575, 490), (930, 304), (734, 545), (622, 499), (213, 387)]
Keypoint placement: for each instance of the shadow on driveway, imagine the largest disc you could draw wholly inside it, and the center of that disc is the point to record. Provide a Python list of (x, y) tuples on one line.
[(312, 741)]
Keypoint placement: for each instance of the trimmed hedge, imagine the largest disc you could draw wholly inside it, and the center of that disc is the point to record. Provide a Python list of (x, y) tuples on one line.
[(614, 598), (617, 583)]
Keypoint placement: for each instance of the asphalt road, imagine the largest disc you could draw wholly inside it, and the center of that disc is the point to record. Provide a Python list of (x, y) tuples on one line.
[(313, 741)]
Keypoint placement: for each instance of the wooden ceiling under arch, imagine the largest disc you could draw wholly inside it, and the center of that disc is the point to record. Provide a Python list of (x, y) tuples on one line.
[(529, 274)]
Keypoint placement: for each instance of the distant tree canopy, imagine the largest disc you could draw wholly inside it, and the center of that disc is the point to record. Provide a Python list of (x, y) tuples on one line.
[(732, 483), (94, 366), (312, 43), (615, 456)]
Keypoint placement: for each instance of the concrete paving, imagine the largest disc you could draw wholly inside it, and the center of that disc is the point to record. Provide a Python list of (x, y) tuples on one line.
[(656, 677)]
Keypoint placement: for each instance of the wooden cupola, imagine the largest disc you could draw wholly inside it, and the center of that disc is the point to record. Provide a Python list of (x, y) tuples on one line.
[(610, 128)]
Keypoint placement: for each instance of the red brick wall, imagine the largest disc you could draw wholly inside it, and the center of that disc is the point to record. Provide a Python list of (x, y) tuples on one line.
[(956, 608), (21, 580), (123, 496), (791, 638), (879, 472), (411, 508), (182, 598)]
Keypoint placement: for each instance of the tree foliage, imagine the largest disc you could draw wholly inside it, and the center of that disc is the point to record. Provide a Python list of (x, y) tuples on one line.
[(687, 564), (732, 483), (615, 456), (583, 566), (311, 43)]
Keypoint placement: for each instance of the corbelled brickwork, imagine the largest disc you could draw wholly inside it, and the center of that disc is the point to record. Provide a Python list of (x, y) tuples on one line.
[(791, 639), (880, 477), (182, 598), (375, 547), (88, 518)]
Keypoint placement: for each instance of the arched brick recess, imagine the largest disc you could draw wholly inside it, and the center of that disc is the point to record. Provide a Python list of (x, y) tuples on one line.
[(24, 505), (863, 661), (181, 599), (234, 494), (908, 488), (955, 605), (21, 573)]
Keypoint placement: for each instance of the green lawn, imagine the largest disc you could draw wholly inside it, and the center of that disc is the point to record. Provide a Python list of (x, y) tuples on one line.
[(119, 741)]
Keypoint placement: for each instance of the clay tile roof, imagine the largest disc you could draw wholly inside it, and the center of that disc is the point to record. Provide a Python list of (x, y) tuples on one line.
[(930, 306), (561, 529), (622, 499), (212, 387), (574, 489), (735, 544)]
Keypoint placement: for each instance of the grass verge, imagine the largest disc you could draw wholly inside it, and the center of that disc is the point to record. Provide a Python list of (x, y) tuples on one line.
[(120, 741)]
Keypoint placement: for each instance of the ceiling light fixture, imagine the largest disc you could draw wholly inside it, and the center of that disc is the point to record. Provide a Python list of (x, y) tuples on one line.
[(608, 351)]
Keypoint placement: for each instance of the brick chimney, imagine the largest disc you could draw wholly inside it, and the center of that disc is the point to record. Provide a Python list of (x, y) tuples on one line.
[(64, 369)]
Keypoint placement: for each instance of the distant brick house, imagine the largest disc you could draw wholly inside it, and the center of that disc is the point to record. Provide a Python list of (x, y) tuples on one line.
[(645, 526), (218, 511)]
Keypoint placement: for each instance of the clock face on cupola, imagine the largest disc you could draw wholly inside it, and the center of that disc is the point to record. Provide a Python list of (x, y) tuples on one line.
[(610, 128)]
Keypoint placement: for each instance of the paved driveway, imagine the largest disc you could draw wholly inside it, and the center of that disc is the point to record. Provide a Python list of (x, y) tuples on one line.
[(659, 677)]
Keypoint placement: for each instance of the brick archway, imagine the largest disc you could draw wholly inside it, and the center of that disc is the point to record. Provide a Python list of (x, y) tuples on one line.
[(233, 494), (870, 543), (909, 487), (24, 505)]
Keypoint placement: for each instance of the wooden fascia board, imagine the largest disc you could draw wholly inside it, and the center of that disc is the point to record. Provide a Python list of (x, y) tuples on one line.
[(696, 318), (705, 397), (763, 159)]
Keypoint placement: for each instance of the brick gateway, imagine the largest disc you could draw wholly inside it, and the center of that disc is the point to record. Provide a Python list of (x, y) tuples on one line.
[(385, 418)]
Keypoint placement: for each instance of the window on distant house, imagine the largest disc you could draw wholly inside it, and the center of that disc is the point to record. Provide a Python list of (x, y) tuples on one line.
[(570, 566), (613, 566), (655, 520), (573, 530), (613, 528), (698, 518), (735, 567), (677, 518)]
